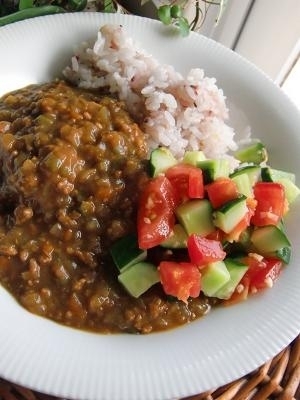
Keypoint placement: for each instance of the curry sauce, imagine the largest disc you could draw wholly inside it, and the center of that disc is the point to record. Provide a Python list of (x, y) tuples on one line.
[(72, 167)]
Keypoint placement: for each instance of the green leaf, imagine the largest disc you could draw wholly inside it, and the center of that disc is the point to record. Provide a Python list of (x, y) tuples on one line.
[(176, 11), (183, 24), (109, 6), (23, 4), (77, 5), (164, 14)]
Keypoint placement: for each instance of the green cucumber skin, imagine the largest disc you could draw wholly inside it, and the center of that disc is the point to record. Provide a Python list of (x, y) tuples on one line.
[(253, 172), (291, 190), (274, 175), (160, 160), (138, 278), (213, 169), (237, 270), (193, 157), (214, 276), (287, 179), (177, 239), (228, 206), (284, 254), (125, 252), (254, 153), (196, 217), (243, 184), (269, 239), (230, 214)]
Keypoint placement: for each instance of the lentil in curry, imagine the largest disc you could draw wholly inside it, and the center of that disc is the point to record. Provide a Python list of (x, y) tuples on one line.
[(72, 166)]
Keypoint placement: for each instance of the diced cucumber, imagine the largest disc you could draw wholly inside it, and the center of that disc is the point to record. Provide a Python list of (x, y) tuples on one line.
[(230, 214), (242, 246), (255, 153), (213, 169), (291, 190), (196, 216), (138, 278), (253, 172), (177, 239), (243, 184), (160, 160), (281, 225), (269, 239), (273, 175), (245, 238), (193, 157), (287, 179), (284, 254), (237, 270), (125, 252), (214, 276)]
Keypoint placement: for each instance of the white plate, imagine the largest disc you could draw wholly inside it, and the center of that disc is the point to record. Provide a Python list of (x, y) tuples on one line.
[(212, 351)]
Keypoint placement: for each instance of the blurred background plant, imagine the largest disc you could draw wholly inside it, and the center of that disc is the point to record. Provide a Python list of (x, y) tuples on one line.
[(10, 6), (17, 10), (186, 15)]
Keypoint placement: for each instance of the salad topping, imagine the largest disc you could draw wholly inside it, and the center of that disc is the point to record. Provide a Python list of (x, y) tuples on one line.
[(223, 232)]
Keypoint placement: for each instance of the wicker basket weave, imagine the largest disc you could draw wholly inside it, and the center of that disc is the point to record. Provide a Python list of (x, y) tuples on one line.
[(277, 379)]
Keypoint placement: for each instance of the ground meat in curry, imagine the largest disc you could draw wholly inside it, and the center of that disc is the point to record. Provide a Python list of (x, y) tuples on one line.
[(72, 166)]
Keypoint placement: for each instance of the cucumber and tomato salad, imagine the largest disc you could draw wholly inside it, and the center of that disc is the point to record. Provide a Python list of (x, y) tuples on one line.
[(227, 225)]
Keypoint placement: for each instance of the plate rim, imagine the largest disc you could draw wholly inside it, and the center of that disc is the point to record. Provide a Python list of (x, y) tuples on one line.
[(141, 379)]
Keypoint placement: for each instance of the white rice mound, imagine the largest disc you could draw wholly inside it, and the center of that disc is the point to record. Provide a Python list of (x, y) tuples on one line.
[(181, 113)]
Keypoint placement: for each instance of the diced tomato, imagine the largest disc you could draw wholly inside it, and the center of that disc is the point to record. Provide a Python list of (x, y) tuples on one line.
[(203, 251), (271, 203), (187, 181), (266, 277), (235, 234), (221, 191), (156, 212), (262, 272), (217, 234), (181, 280)]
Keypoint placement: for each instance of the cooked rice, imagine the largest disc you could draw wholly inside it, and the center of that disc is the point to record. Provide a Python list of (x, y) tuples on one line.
[(181, 113)]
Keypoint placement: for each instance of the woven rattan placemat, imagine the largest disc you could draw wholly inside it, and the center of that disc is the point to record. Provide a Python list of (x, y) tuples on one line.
[(277, 379)]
